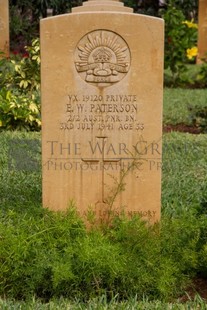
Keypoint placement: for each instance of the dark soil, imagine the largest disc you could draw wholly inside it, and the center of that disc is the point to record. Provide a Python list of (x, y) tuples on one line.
[(182, 128), (198, 287)]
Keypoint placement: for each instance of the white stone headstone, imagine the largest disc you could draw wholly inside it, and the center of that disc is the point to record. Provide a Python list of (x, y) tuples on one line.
[(102, 90)]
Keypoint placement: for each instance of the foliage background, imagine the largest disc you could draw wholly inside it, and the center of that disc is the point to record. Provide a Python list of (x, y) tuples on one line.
[(25, 14)]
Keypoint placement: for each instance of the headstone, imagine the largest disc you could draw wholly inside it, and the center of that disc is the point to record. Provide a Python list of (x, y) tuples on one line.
[(102, 89), (202, 31), (4, 27)]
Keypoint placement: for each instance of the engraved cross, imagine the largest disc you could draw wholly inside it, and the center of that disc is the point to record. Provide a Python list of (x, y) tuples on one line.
[(104, 161)]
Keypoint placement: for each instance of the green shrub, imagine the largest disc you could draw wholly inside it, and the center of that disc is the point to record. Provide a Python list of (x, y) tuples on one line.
[(180, 41), (19, 93), (53, 255), (49, 255), (188, 8), (36, 248), (23, 24), (19, 111), (22, 72), (201, 78)]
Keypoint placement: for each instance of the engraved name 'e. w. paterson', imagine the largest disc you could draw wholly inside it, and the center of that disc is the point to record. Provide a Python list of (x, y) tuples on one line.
[(102, 112), (102, 58)]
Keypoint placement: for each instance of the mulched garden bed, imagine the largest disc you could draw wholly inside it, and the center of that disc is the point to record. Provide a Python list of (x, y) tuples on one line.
[(198, 287), (182, 128)]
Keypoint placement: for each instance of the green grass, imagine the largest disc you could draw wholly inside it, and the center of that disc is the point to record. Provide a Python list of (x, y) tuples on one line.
[(36, 245), (19, 189), (40, 251), (184, 174), (102, 304), (178, 102), (184, 182)]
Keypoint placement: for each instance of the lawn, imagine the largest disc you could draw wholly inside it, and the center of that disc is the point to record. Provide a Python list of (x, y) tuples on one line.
[(102, 304), (180, 105), (49, 256)]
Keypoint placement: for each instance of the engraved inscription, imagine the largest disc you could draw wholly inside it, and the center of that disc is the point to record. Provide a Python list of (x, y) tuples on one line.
[(102, 112), (102, 58), (103, 161)]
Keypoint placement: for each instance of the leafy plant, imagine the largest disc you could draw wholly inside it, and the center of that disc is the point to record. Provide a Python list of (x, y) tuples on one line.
[(53, 255), (19, 111), (19, 94), (22, 72), (24, 23), (188, 8), (180, 41), (201, 77)]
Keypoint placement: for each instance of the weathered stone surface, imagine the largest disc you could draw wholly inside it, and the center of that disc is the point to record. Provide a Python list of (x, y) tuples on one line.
[(202, 31), (4, 27), (102, 84)]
